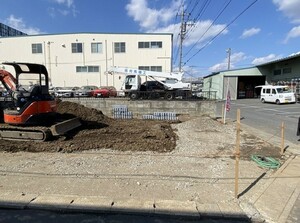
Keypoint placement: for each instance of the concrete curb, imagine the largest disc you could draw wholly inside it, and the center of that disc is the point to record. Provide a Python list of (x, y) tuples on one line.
[(95, 204)]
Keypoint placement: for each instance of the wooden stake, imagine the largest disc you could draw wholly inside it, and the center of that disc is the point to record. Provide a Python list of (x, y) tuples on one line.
[(223, 112), (237, 152), (282, 138)]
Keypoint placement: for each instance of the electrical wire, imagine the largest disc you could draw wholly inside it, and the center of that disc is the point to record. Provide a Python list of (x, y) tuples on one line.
[(201, 12), (220, 13), (212, 39)]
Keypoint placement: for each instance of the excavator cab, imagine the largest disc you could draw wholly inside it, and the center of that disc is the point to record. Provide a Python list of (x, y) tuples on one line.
[(32, 103)]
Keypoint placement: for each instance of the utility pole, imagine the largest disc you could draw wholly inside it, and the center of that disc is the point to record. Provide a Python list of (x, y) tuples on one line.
[(229, 55), (182, 34)]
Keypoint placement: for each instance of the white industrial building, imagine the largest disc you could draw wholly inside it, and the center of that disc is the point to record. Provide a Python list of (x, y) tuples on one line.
[(79, 59)]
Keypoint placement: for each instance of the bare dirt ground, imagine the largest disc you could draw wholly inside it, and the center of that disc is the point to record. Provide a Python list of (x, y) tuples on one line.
[(101, 132)]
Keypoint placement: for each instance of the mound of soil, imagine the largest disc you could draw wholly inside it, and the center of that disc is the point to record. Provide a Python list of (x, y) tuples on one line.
[(101, 132)]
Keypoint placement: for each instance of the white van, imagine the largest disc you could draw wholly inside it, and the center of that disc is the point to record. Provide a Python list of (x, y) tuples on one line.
[(276, 94)]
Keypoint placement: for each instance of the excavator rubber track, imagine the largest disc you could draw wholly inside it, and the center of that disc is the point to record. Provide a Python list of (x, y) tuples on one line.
[(16, 133), (37, 133)]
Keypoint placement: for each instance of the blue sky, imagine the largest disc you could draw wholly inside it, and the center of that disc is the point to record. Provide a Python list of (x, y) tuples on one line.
[(256, 31)]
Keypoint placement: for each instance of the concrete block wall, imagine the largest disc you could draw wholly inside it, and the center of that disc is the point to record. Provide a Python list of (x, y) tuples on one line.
[(144, 107)]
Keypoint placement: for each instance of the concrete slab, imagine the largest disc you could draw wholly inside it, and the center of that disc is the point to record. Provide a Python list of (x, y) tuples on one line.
[(53, 202), (133, 206), (173, 207), (16, 200), (91, 204)]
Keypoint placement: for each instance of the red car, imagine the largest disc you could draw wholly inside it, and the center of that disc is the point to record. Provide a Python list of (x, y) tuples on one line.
[(105, 92)]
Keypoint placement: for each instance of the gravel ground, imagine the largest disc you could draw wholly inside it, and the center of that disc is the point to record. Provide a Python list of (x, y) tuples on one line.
[(200, 168)]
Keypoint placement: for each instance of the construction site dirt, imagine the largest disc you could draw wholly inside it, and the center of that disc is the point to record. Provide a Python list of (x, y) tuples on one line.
[(101, 132), (191, 159)]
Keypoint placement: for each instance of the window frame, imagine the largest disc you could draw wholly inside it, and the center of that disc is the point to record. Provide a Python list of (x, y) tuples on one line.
[(37, 48), (75, 47), (87, 69), (120, 47), (97, 47), (150, 45)]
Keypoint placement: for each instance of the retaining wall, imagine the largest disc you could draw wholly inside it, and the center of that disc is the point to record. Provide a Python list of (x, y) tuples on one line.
[(144, 107)]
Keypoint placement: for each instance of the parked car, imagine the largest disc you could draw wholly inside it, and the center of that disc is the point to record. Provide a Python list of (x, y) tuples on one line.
[(85, 91), (105, 92), (66, 92)]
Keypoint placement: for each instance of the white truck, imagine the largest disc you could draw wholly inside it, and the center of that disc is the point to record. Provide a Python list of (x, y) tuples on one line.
[(278, 94), (157, 85)]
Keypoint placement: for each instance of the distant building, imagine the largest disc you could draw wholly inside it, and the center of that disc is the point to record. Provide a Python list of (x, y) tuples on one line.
[(9, 31), (241, 82), (79, 59)]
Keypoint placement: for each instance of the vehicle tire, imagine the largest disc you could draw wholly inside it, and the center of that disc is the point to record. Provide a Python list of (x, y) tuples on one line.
[(133, 96), (263, 100), (169, 96), (277, 102)]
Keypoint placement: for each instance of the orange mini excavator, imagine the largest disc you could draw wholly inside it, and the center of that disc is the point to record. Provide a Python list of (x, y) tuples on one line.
[(28, 110)]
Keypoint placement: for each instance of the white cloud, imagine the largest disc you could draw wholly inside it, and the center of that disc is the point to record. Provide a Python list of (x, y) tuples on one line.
[(293, 54), (234, 59), (194, 36), (293, 33), (19, 24), (290, 8), (148, 18), (250, 32), (262, 60), (69, 5)]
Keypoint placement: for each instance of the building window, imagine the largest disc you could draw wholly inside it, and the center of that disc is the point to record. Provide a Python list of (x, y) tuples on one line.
[(144, 45), (93, 69), (156, 68), (277, 72), (87, 69), (96, 47), (151, 68), (37, 48), (80, 69), (287, 70), (120, 47), (76, 47), (144, 68), (157, 44)]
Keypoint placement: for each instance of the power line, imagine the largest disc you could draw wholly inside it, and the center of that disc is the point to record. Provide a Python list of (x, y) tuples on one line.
[(212, 39), (220, 13), (197, 18)]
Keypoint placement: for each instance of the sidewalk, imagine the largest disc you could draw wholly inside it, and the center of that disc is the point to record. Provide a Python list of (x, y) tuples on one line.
[(275, 199)]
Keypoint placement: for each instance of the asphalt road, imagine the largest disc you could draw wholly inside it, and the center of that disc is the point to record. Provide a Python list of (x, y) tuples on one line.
[(266, 116)]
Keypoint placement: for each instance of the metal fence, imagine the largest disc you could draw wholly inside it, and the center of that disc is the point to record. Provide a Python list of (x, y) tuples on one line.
[(121, 112), (161, 116)]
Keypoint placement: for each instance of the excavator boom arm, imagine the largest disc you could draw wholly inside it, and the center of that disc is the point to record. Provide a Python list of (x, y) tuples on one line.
[(8, 80)]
